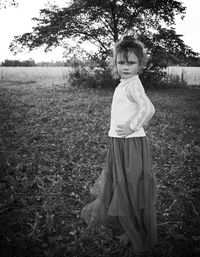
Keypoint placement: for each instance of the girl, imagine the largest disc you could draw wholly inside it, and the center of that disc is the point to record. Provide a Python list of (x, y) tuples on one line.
[(126, 189)]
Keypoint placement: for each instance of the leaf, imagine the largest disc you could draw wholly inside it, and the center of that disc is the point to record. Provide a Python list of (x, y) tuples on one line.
[(73, 232)]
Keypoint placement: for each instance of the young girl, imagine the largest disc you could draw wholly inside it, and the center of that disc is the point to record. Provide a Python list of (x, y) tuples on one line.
[(126, 189)]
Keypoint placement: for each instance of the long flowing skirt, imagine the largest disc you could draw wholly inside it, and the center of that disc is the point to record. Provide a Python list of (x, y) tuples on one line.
[(126, 189)]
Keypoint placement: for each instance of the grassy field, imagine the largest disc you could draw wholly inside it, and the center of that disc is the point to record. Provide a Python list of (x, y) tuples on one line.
[(33, 74), (53, 146), (190, 75)]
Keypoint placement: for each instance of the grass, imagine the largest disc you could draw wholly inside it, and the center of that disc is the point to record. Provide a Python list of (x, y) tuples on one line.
[(53, 146), (33, 74), (189, 75)]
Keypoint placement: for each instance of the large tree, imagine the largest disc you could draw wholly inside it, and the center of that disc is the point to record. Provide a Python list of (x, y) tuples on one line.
[(103, 22)]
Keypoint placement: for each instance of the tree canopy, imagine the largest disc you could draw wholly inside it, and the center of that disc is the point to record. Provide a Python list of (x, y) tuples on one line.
[(104, 22)]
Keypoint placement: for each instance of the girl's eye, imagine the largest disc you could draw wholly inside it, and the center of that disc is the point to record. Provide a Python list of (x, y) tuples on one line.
[(129, 63), (120, 62)]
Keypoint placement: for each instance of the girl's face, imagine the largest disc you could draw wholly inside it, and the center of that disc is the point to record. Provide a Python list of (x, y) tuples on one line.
[(127, 69)]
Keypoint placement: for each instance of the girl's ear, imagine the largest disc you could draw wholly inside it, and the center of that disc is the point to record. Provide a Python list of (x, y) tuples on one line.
[(140, 69)]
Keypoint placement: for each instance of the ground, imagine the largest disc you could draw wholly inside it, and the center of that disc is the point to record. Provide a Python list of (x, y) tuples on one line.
[(52, 148)]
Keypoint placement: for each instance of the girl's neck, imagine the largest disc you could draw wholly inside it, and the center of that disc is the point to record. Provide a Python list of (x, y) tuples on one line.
[(129, 79)]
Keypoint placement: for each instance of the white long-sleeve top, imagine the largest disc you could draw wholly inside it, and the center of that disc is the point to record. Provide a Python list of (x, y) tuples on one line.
[(130, 105)]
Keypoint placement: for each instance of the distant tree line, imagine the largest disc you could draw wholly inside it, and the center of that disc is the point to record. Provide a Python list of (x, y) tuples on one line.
[(32, 63), (73, 62), (17, 63), (51, 64)]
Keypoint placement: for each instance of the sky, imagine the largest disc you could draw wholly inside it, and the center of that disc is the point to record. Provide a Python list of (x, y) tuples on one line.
[(16, 21)]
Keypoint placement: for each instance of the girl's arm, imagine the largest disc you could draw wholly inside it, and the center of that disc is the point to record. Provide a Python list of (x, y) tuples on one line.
[(145, 109)]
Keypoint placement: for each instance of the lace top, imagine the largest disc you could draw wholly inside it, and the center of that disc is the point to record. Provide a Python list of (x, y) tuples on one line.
[(130, 105)]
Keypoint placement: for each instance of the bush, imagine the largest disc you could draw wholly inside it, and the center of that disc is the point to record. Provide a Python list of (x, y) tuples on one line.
[(97, 78), (101, 78), (152, 78)]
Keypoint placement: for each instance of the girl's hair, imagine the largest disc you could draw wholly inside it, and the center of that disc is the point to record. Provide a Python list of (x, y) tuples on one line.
[(125, 46)]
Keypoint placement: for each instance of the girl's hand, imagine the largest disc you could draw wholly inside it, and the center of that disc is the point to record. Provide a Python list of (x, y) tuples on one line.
[(124, 130)]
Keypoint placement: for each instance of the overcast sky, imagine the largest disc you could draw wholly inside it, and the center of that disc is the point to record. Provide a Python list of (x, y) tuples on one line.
[(16, 21)]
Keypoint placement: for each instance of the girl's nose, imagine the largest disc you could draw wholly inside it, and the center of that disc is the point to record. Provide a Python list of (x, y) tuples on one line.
[(126, 67)]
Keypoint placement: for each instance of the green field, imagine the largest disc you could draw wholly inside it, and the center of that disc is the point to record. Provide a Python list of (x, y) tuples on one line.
[(53, 146)]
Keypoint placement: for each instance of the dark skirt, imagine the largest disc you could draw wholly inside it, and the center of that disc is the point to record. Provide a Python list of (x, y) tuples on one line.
[(126, 189)]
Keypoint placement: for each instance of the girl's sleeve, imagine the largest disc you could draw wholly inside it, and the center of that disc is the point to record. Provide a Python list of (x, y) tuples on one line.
[(145, 109)]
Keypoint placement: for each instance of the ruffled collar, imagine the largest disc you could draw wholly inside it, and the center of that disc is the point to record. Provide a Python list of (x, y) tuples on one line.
[(125, 81)]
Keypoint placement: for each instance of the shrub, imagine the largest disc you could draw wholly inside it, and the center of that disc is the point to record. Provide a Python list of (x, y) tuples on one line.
[(152, 78), (97, 78), (101, 78)]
